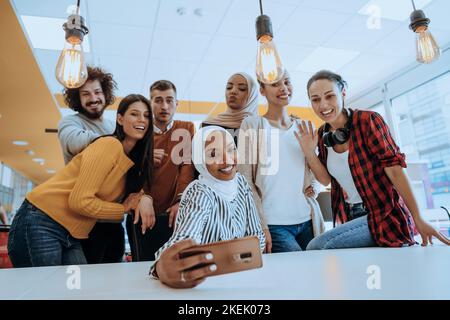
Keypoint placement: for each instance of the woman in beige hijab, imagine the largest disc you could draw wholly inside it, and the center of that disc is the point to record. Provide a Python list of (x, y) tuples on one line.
[(242, 101)]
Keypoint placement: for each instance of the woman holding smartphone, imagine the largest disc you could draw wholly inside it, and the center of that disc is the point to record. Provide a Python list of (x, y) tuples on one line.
[(218, 206)]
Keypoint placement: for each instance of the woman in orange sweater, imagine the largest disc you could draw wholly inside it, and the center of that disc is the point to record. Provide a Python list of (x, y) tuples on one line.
[(56, 214)]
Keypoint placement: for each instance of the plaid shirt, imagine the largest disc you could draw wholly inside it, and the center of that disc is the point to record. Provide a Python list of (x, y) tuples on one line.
[(371, 150)]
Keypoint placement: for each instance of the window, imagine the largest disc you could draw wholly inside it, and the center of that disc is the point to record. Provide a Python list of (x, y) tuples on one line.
[(6, 176), (379, 108), (422, 117)]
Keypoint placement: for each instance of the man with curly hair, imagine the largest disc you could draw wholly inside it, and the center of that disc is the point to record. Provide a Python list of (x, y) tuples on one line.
[(77, 131), (106, 243)]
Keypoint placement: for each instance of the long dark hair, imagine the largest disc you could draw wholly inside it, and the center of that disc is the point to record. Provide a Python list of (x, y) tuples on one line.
[(141, 174)]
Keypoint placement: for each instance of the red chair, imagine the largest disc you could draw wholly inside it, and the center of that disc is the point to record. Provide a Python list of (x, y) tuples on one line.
[(5, 262)]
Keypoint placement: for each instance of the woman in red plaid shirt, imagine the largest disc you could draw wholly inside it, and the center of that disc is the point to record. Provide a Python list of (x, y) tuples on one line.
[(372, 199)]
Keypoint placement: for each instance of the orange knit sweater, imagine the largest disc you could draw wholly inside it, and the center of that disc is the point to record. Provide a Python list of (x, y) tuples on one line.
[(86, 189)]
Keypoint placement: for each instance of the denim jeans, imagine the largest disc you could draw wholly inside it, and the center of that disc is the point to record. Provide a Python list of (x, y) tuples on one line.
[(36, 240), (291, 237), (352, 234)]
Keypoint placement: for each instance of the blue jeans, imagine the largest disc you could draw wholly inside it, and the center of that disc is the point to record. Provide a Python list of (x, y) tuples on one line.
[(352, 234), (36, 240), (292, 237)]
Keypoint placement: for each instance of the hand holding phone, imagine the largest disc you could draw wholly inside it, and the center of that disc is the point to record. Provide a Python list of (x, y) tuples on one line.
[(228, 256)]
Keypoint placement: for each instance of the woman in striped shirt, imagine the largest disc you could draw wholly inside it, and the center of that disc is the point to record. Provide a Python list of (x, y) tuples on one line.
[(218, 206)]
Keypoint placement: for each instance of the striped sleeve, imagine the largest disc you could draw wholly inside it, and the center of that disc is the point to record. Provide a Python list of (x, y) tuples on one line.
[(195, 208), (253, 226)]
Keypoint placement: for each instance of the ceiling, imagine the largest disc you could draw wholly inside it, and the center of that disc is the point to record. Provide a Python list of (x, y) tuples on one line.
[(26, 105), (197, 44), (141, 41)]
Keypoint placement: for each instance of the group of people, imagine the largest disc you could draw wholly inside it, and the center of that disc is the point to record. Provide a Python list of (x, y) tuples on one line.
[(240, 174)]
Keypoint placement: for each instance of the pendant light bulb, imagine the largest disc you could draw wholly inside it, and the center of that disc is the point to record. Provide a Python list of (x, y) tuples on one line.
[(71, 69), (269, 68), (427, 48)]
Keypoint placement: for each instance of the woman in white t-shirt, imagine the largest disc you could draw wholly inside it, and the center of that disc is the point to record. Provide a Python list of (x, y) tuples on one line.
[(275, 167)]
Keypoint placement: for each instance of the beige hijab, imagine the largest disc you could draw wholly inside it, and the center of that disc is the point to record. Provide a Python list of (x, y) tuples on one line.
[(233, 118)]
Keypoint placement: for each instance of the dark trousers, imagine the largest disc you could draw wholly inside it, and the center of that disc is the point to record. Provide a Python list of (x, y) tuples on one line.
[(143, 247), (106, 243)]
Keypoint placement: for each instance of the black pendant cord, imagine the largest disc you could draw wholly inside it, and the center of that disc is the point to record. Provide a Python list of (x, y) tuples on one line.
[(414, 5), (78, 6), (261, 7)]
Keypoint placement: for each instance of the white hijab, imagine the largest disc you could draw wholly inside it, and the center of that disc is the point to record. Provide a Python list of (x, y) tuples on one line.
[(226, 189)]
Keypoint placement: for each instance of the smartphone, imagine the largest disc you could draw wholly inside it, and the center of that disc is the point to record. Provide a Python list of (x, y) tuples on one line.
[(229, 256)]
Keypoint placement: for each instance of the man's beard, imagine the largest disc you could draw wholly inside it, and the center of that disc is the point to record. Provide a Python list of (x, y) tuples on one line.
[(92, 114)]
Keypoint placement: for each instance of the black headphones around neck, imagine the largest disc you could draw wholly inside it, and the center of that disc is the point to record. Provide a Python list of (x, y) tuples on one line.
[(339, 136)]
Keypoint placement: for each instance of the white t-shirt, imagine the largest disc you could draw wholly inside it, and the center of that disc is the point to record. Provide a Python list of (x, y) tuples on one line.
[(283, 200), (339, 168)]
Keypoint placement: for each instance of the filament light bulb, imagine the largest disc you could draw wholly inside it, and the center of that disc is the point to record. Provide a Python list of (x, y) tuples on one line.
[(269, 68), (427, 48), (71, 69)]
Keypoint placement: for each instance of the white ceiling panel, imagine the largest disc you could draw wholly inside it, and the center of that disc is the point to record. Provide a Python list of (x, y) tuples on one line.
[(439, 16), (180, 73), (120, 40), (128, 72), (310, 26), (341, 6), (293, 55), (182, 46), (442, 36), (326, 58), (47, 8), (235, 52), (210, 82), (359, 34), (370, 65), (203, 16), (130, 12), (400, 43), (241, 17), (278, 2), (393, 9)]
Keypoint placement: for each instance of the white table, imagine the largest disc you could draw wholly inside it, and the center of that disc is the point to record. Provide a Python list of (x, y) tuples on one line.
[(407, 273)]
